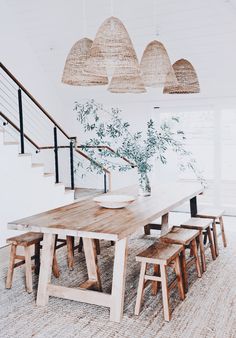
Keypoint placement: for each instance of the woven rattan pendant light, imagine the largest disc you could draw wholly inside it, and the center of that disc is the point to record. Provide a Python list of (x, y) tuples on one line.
[(187, 79), (113, 45), (132, 83), (73, 71), (155, 65)]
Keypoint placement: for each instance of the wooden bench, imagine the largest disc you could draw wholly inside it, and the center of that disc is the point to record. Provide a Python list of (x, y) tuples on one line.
[(217, 216), (161, 255), (187, 238), (203, 225)]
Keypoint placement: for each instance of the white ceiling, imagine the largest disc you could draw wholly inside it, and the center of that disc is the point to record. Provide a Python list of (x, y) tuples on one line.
[(202, 31)]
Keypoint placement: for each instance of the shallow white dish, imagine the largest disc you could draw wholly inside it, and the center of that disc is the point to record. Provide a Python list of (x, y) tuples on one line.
[(114, 201)]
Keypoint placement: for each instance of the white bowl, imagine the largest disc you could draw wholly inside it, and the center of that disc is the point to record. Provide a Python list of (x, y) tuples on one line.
[(114, 201)]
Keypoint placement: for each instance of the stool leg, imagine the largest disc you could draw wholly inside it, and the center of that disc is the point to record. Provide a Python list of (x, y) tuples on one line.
[(202, 252), (28, 270), (97, 244), (179, 278), (213, 254), (55, 267), (195, 253), (140, 289), (155, 285), (223, 231), (215, 238), (37, 257), (165, 293), (11, 267), (70, 251), (184, 270)]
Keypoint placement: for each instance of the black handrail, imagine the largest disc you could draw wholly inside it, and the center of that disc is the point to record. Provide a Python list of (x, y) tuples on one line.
[(34, 100)]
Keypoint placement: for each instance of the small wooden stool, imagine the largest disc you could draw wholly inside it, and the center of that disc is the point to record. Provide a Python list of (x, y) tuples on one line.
[(217, 216), (187, 238), (204, 227), (161, 255), (26, 241)]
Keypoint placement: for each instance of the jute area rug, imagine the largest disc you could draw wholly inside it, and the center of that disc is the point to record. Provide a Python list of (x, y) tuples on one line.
[(209, 309)]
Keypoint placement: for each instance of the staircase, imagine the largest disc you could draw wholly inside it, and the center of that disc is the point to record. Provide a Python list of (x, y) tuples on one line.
[(38, 158), (25, 188)]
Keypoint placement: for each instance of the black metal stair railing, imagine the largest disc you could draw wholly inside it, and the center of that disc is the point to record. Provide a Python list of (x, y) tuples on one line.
[(12, 99), (23, 113)]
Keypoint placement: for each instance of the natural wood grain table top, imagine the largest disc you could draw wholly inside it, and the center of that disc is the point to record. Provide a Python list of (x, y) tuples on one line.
[(87, 219)]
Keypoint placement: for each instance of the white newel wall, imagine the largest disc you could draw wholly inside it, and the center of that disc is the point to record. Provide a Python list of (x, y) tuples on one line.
[(25, 190)]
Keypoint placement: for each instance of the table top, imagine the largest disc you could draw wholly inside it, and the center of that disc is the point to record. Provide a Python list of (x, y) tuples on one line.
[(86, 219)]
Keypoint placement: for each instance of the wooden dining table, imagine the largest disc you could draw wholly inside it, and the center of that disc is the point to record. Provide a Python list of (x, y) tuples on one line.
[(87, 220)]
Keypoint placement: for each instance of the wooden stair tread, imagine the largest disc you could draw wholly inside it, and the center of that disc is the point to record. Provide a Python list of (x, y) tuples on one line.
[(197, 223), (10, 143), (26, 239), (180, 236), (159, 253), (37, 165), (210, 213), (48, 174)]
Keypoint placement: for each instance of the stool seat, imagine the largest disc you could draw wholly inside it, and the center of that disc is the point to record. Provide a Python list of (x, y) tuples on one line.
[(203, 225), (179, 235), (210, 213), (197, 223), (159, 253), (26, 239)]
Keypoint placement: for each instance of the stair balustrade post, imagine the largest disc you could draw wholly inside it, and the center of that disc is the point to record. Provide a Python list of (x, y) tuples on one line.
[(72, 177), (21, 122), (56, 154)]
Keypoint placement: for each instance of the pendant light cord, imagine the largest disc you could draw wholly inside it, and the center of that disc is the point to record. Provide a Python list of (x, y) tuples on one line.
[(155, 20), (84, 18), (112, 7)]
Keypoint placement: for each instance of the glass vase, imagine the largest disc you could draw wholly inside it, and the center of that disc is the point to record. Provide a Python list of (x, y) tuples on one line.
[(144, 185)]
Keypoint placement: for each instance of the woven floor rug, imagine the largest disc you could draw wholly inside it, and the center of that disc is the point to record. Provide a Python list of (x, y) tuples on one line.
[(209, 309)]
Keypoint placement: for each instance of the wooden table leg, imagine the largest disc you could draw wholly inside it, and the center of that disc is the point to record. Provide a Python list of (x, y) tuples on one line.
[(193, 206), (91, 262), (147, 230), (118, 282), (46, 269), (164, 224)]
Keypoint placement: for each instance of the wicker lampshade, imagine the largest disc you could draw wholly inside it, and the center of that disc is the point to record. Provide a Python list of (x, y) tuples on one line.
[(155, 65), (187, 79), (113, 45), (131, 83), (73, 71)]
